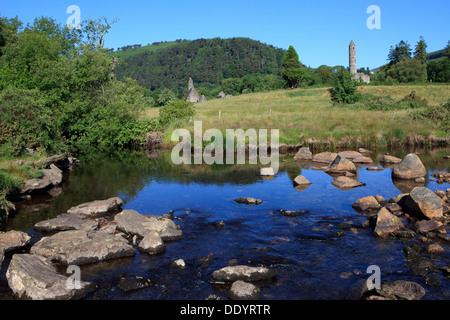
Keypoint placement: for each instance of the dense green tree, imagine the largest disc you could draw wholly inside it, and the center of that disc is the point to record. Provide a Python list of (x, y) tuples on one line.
[(291, 68), (58, 92), (439, 70), (408, 70), (233, 86)]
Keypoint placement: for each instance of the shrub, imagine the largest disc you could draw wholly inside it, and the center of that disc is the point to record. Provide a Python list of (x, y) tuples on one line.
[(233, 86), (414, 101), (177, 110), (344, 89)]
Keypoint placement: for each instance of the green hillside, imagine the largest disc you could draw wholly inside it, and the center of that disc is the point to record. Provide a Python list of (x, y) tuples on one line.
[(207, 61), (144, 49)]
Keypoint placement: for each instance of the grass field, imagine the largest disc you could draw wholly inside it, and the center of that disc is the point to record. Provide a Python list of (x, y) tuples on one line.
[(302, 114)]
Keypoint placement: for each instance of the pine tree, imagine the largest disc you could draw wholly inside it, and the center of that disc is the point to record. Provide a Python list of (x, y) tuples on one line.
[(291, 67), (420, 52)]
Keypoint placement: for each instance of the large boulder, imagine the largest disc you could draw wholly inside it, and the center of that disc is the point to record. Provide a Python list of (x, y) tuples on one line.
[(97, 208), (82, 247), (13, 240), (324, 157), (35, 277), (303, 154), (386, 223), (244, 273), (410, 168), (341, 165), (64, 222), (134, 223), (422, 203)]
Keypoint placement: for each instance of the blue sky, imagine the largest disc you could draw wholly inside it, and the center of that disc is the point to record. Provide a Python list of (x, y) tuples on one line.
[(320, 30)]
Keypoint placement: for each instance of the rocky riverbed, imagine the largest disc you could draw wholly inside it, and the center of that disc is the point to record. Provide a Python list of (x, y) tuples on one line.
[(94, 234)]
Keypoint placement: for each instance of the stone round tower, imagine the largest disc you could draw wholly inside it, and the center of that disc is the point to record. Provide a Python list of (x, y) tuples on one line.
[(352, 57)]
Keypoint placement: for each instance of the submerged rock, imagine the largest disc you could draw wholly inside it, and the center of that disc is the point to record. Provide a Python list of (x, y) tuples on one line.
[(82, 247), (403, 290), (241, 290), (249, 201), (35, 277), (97, 208), (410, 168), (244, 273), (290, 213), (134, 223)]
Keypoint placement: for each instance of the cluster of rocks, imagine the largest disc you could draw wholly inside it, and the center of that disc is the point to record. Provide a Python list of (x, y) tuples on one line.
[(242, 279), (421, 215), (88, 233), (406, 173)]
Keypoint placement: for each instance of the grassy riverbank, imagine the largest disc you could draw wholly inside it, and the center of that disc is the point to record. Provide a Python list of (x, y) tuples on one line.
[(303, 114)]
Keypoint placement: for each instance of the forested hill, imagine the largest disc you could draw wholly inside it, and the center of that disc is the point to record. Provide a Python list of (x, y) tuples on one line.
[(207, 61)]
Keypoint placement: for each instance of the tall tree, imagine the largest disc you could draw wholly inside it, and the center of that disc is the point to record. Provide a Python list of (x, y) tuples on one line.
[(291, 67), (420, 52), (400, 52)]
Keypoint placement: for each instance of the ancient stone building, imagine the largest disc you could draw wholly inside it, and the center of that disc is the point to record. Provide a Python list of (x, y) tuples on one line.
[(193, 95), (352, 64)]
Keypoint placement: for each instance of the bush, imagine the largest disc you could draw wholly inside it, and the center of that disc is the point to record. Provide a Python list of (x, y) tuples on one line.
[(233, 86), (27, 122), (378, 103), (438, 114), (344, 89), (414, 101), (176, 110), (165, 97)]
